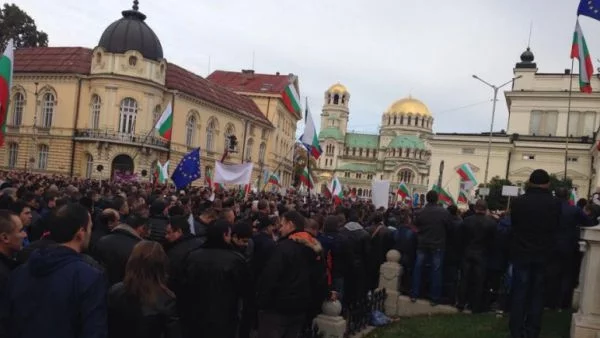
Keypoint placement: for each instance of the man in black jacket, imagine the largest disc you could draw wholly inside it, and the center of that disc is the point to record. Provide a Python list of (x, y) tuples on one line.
[(535, 219), (180, 244), (291, 282), (11, 241)]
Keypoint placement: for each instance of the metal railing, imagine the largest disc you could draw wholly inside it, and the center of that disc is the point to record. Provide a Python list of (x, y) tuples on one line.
[(358, 313), (116, 137)]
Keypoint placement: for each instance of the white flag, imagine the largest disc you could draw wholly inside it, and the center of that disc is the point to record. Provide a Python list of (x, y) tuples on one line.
[(233, 173)]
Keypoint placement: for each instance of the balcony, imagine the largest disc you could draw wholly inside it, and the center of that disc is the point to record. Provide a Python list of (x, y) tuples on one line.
[(121, 138)]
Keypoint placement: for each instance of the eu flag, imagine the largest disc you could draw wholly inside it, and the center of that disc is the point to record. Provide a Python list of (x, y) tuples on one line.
[(188, 170), (589, 8)]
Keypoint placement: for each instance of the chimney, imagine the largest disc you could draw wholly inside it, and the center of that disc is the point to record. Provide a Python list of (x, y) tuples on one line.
[(567, 71), (248, 71), (277, 73)]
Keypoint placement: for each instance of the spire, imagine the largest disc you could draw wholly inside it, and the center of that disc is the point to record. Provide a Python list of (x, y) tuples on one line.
[(135, 5), (134, 12)]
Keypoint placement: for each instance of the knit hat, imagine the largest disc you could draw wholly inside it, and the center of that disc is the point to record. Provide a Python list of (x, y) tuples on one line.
[(539, 176)]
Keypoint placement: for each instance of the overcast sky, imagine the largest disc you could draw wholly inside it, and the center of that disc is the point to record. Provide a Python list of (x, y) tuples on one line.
[(382, 50)]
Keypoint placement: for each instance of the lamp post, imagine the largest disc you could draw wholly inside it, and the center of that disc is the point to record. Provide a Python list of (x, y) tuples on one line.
[(489, 150)]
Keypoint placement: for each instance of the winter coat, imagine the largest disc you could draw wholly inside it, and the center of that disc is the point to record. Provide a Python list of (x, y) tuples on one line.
[(158, 228), (178, 253), (567, 234), (264, 245), (432, 222), (7, 264), (113, 251), (477, 235), (55, 294)]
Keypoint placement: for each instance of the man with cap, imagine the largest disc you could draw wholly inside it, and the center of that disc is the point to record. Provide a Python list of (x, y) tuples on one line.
[(535, 218)]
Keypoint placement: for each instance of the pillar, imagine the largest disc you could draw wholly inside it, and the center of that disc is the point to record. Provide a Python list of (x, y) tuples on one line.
[(390, 274), (586, 322), (577, 291), (330, 323)]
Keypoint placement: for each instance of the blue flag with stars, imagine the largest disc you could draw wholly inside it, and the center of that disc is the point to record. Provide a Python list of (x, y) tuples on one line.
[(188, 170), (589, 8)]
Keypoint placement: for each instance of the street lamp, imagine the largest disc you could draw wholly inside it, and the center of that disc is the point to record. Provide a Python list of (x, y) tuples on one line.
[(495, 88)]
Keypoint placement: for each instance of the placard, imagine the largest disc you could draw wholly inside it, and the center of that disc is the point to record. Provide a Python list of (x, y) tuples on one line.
[(510, 190), (380, 190)]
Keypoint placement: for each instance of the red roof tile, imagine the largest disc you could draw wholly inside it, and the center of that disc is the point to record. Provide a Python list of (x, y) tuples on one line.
[(53, 60), (250, 82)]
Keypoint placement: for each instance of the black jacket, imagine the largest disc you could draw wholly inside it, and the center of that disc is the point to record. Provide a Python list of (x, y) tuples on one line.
[(432, 222), (7, 264), (264, 245), (215, 284), (294, 276), (113, 251), (129, 318), (178, 253), (359, 241), (477, 234), (25, 253), (158, 228), (535, 217)]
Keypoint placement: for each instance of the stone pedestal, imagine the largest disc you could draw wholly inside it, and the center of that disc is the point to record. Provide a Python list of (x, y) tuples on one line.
[(330, 323), (390, 274), (577, 291), (586, 322)]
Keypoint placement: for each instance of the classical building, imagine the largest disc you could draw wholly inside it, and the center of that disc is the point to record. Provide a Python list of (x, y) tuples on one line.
[(536, 135), (399, 152), (74, 108)]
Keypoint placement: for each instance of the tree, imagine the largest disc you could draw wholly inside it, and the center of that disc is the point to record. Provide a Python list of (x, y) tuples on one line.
[(495, 200), (18, 25), (556, 182)]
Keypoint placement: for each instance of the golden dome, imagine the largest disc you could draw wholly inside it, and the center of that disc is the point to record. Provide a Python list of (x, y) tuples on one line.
[(409, 105), (338, 88)]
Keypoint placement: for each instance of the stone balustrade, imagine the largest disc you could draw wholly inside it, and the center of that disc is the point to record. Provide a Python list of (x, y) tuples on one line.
[(585, 322)]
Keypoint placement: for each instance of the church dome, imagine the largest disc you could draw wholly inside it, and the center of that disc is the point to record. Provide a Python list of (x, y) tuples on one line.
[(131, 33), (338, 88), (408, 105)]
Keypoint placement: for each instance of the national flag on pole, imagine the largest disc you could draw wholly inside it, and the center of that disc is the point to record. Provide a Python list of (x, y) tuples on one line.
[(573, 197), (291, 99), (579, 51), (336, 191), (164, 125), (403, 190), (466, 175), (462, 196), (306, 179), (274, 179), (208, 178), (310, 137), (188, 170), (443, 196), (163, 172), (6, 72)]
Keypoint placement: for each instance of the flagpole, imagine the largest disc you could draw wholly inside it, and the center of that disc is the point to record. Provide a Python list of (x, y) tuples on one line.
[(173, 118), (568, 117), (308, 153), (280, 163)]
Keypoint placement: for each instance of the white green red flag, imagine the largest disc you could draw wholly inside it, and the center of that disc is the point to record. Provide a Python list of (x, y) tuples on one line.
[(164, 125), (466, 175), (579, 51), (403, 190), (274, 179), (208, 178), (163, 172), (336, 191), (291, 99), (444, 197), (573, 197), (462, 197), (6, 72), (310, 137), (306, 179)]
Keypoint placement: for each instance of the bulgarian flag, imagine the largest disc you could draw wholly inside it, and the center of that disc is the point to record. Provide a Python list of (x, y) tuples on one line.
[(462, 197), (163, 172), (6, 72), (573, 197), (336, 191), (579, 51), (403, 190), (444, 197), (306, 179), (164, 125), (208, 177), (274, 179), (310, 138), (466, 175), (291, 99)]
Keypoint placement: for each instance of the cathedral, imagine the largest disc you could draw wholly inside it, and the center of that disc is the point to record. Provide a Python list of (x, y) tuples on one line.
[(399, 152)]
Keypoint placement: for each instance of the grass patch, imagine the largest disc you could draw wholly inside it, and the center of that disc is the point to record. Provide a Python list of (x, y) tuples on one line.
[(554, 325)]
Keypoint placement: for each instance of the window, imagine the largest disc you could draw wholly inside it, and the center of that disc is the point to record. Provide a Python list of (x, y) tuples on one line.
[(229, 131), (156, 114), (190, 131), (370, 176), (127, 116), (89, 166), (132, 61), (95, 115), (252, 130), (409, 120), (261, 152), (401, 119), (336, 99), (360, 152), (47, 110), (42, 156), (264, 134), (18, 103), (572, 159), (581, 123), (528, 156), (249, 146), (13, 155), (353, 151), (469, 151), (405, 175), (358, 175), (543, 123), (395, 119), (347, 174), (210, 135), (368, 152)]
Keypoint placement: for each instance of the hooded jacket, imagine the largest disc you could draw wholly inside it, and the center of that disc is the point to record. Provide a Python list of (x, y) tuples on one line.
[(56, 294)]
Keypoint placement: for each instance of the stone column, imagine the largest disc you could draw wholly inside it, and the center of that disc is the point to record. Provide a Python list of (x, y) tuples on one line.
[(586, 322), (330, 323), (577, 291), (390, 274)]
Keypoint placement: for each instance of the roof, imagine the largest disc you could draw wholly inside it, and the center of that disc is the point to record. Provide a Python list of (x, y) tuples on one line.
[(338, 88), (407, 141), (408, 105), (331, 132), (250, 82), (362, 140), (358, 167), (53, 60), (78, 60)]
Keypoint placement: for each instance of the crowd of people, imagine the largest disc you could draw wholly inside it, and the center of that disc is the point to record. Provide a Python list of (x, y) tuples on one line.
[(84, 258)]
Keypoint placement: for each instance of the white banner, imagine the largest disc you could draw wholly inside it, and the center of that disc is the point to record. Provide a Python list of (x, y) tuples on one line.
[(381, 190), (233, 173)]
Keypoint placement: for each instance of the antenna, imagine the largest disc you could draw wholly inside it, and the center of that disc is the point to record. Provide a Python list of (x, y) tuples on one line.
[(530, 31), (208, 66), (253, 60)]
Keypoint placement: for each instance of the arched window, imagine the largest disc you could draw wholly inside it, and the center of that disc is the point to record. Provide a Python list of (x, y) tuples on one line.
[(95, 115), (18, 103), (360, 151), (249, 146), (13, 154), (368, 152), (42, 156), (406, 176), (156, 113), (423, 122), (229, 131), (261, 152), (210, 135), (395, 119), (127, 116), (359, 192), (336, 99), (47, 110), (409, 120), (389, 120), (190, 131), (416, 120), (89, 166), (407, 152), (393, 152), (353, 151), (401, 119)]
